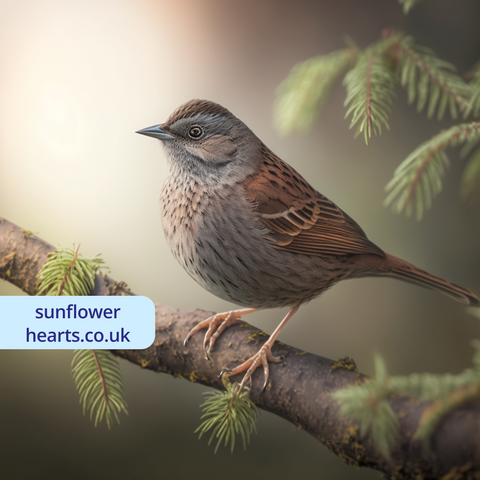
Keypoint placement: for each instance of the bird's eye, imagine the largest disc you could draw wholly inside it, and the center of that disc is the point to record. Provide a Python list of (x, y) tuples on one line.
[(195, 132)]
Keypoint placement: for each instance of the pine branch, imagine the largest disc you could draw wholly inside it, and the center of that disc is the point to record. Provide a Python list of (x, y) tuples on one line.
[(228, 414), (302, 94), (418, 179), (431, 80), (370, 89)]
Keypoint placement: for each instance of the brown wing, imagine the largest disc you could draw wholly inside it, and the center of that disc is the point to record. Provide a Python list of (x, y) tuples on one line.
[(300, 219)]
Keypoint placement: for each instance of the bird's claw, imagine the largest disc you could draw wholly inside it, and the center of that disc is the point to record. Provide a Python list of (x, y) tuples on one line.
[(262, 357), (216, 324)]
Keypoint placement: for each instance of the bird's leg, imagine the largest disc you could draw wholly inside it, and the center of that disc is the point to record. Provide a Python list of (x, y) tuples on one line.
[(264, 355), (216, 325)]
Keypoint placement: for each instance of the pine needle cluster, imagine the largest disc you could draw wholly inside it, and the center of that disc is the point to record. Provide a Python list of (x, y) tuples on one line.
[(370, 88), (428, 78), (370, 81), (371, 77), (471, 175), (228, 414), (66, 272), (96, 373), (369, 403), (97, 376), (418, 179), (302, 95)]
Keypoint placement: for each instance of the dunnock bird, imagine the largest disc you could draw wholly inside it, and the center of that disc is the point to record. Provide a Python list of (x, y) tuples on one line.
[(250, 229)]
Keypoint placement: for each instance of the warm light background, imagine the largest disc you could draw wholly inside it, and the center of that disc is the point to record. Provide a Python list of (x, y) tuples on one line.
[(78, 78)]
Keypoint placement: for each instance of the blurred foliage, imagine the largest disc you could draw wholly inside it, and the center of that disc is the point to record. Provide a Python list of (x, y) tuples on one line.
[(368, 403), (408, 4), (370, 80), (471, 175), (420, 175), (431, 79), (302, 95), (474, 106)]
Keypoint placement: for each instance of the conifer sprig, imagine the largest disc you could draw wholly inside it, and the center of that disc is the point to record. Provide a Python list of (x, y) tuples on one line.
[(228, 414), (301, 96), (429, 79), (440, 407), (96, 373), (369, 404), (370, 89), (418, 179), (67, 272), (97, 376), (370, 80)]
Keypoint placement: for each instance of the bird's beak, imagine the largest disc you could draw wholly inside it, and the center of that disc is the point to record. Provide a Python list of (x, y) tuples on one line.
[(156, 132)]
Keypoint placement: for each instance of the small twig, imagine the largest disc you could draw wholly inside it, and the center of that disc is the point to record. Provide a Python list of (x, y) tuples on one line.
[(69, 273), (102, 378)]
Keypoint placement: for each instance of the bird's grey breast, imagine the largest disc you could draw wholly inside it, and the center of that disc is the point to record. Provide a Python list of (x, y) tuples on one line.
[(206, 231), (181, 202), (217, 237)]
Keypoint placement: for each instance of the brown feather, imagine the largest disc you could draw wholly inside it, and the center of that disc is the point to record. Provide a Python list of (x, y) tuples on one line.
[(410, 273), (300, 219)]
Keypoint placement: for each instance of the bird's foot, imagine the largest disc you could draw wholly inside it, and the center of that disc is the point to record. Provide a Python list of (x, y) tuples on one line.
[(262, 357), (216, 325)]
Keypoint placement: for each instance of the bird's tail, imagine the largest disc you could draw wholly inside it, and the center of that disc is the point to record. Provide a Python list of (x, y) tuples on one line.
[(410, 273)]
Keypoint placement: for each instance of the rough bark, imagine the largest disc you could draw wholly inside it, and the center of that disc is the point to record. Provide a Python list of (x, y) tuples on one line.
[(298, 390)]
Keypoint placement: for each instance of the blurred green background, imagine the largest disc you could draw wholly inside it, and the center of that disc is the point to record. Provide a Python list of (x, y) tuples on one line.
[(78, 78)]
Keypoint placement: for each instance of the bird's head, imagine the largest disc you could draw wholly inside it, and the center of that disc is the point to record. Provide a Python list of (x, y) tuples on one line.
[(205, 140)]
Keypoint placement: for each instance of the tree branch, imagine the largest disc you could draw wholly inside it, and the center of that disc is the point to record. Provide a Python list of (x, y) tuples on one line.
[(298, 390)]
